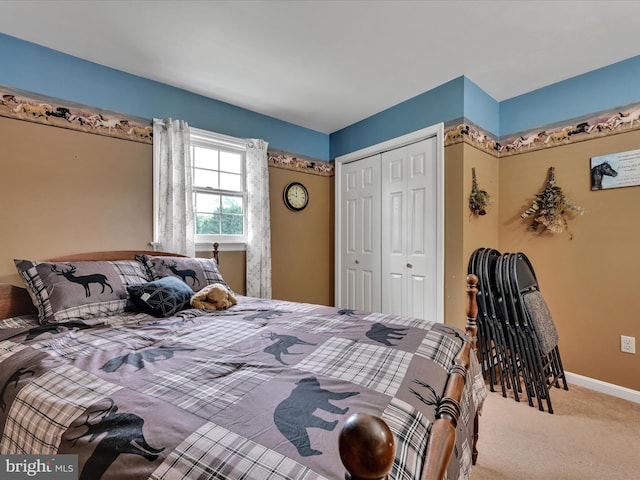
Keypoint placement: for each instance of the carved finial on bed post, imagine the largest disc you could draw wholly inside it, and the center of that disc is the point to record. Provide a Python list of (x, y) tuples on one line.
[(472, 308), (215, 252), (367, 448)]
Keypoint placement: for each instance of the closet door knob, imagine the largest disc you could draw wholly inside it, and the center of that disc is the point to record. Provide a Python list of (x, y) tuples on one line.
[(409, 265), (357, 262)]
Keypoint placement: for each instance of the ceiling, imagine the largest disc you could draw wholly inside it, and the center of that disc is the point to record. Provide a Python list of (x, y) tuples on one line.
[(327, 64)]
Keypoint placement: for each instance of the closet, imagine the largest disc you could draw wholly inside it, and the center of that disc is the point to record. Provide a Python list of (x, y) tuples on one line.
[(389, 227)]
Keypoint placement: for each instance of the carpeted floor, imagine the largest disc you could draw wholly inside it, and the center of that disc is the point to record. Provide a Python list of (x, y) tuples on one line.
[(589, 436)]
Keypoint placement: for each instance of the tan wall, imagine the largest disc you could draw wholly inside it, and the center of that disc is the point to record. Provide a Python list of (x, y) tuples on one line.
[(454, 270), (588, 282), (465, 232), (65, 191), (302, 243), (302, 246), (480, 231)]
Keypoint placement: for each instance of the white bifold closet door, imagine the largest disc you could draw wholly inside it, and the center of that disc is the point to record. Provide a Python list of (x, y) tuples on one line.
[(408, 243), (360, 213), (389, 230)]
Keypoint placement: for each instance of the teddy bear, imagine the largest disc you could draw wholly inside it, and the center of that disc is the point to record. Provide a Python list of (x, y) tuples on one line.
[(213, 297)]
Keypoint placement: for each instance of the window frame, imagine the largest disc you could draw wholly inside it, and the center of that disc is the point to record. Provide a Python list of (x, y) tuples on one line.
[(207, 139)]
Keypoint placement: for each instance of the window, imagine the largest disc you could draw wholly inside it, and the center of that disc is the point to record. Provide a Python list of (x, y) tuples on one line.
[(219, 188)]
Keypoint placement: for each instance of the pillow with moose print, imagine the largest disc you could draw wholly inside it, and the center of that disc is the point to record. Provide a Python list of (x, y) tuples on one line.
[(79, 290), (196, 272)]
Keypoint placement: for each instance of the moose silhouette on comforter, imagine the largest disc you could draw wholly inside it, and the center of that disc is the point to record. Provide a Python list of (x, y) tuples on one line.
[(259, 391)]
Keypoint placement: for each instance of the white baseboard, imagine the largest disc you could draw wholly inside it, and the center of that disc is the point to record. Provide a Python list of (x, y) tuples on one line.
[(603, 387)]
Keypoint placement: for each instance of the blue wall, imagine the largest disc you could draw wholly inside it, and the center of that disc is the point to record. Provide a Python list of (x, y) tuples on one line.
[(480, 108), (440, 104), (608, 87), (47, 72), (460, 98), (51, 73)]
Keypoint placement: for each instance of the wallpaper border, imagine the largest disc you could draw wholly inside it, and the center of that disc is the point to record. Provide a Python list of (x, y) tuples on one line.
[(27, 106), (289, 161), (617, 120), (31, 107)]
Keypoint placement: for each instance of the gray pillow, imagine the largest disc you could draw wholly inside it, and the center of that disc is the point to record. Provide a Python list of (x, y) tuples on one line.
[(195, 272), (77, 290)]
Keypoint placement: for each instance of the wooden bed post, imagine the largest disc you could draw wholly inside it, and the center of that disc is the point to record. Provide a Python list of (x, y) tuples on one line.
[(472, 309), (443, 431), (367, 446), (472, 332)]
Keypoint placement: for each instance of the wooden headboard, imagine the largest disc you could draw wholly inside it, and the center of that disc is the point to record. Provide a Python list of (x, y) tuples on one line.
[(15, 301)]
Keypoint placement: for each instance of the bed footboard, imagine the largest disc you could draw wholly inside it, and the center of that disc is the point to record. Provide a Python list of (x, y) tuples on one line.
[(367, 446)]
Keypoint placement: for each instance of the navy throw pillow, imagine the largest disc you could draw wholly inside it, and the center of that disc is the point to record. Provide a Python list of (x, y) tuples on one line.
[(162, 297)]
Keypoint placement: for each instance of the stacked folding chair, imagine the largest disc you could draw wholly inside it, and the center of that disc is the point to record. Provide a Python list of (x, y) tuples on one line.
[(517, 338), (492, 344)]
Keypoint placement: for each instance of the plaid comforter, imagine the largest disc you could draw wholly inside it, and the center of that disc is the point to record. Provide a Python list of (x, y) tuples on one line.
[(256, 392)]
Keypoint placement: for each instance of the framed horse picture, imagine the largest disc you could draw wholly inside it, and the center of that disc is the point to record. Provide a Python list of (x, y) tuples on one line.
[(615, 170)]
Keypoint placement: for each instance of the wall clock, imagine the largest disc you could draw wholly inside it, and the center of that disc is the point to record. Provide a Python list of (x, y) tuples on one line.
[(296, 196)]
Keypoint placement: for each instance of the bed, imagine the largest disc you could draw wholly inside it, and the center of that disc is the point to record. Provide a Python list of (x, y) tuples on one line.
[(102, 357)]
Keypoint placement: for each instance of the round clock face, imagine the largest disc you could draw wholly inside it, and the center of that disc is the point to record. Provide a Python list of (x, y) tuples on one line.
[(296, 196)]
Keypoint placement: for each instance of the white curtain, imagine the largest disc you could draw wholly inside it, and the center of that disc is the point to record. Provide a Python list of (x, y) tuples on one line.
[(258, 221), (173, 201)]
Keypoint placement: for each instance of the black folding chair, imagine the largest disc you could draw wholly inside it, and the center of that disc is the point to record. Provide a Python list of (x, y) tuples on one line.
[(520, 348), (538, 330), (501, 346), (494, 350), (484, 338), (517, 339)]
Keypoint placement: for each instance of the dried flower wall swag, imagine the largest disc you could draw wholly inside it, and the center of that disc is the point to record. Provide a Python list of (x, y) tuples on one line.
[(551, 208), (479, 199)]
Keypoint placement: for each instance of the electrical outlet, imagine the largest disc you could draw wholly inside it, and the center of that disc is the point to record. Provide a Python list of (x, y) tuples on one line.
[(627, 344)]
